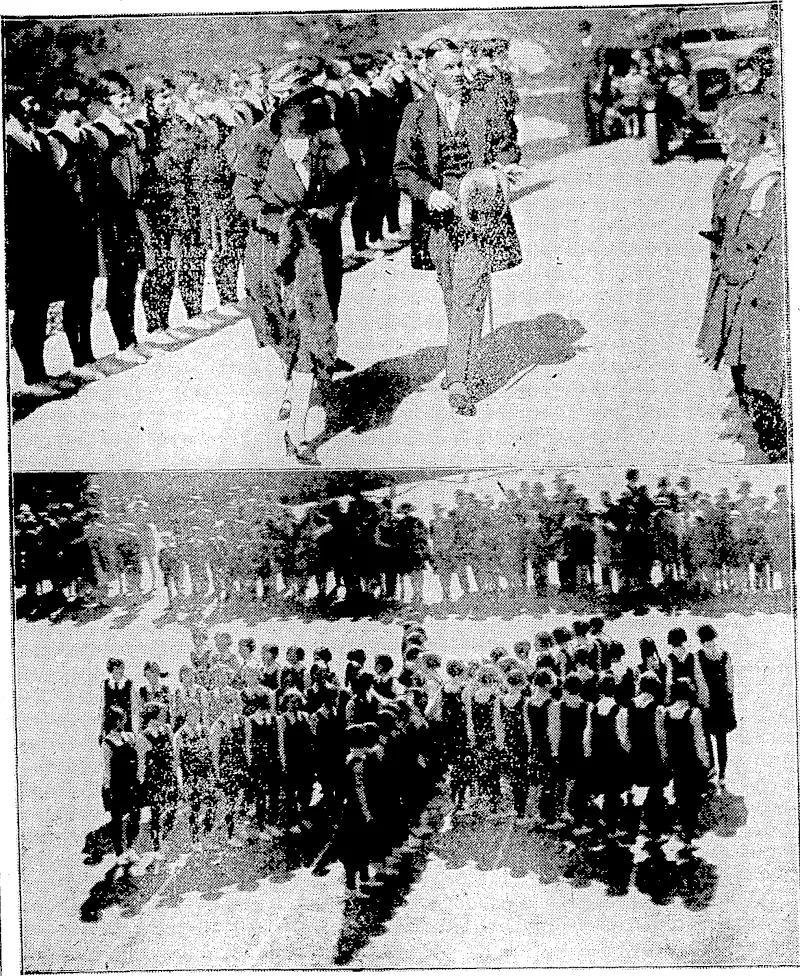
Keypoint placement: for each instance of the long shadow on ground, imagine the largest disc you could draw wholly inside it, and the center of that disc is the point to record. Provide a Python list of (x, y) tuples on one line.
[(369, 399), (596, 857)]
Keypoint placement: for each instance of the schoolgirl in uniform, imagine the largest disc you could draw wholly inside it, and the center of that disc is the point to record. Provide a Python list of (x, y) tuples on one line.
[(196, 772), (354, 840), (682, 664), (229, 753), (624, 675), (385, 687), (121, 784), (542, 767), (272, 673), (687, 757), (581, 668), (160, 780), (153, 690), (253, 690), (294, 674), (567, 730), (485, 734), (608, 750), (296, 754), (328, 745), (261, 750), (545, 647), (117, 693), (362, 706), (719, 715), (516, 740), (648, 750), (454, 722)]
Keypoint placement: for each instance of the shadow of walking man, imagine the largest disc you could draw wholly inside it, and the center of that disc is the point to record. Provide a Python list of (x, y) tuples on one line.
[(368, 400)]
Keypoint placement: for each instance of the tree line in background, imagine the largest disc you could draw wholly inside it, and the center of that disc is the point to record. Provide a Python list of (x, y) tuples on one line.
[(45, 53), (238, 546)]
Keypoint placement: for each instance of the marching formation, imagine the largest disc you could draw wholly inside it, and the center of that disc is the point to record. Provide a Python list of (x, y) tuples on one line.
[(580, 741), (238, 547)]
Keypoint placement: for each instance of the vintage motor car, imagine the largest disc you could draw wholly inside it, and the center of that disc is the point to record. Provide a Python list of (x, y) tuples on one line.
[(727, 51)]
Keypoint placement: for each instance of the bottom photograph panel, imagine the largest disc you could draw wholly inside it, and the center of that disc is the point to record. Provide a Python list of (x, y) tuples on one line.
[(407, 718)]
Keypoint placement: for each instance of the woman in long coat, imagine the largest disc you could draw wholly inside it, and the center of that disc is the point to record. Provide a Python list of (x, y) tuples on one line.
[(744, 323), (292, 176)]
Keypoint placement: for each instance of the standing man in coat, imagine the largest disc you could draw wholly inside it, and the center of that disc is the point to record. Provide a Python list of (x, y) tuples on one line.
[(443, 137)]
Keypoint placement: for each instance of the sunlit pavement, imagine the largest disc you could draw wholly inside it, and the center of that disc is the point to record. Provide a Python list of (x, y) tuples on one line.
[(592, 359), (494, 895)]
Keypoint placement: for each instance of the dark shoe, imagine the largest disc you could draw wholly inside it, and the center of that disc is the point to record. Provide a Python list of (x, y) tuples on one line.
[(304, 452), (342, 366), (462, 404)]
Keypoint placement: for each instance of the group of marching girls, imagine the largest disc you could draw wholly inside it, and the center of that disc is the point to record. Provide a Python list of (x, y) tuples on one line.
[(591, 741), (252, 749), (579, 740)]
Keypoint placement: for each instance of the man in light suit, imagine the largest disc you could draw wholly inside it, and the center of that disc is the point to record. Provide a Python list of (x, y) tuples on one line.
[(443, 137)]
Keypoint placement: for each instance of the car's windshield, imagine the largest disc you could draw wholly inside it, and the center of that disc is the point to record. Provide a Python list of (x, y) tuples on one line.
[(696, 36)]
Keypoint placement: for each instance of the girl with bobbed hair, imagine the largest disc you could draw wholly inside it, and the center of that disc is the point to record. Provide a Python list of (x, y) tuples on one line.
[(121, 785), (542, 768), (262, 754), (648, 750), (196, 772), (719, 716), (568, 720), (744, 323), (516, 739), (686, 757), (454, 722), (607, 745), (681, 663), (484, 733), (160, 780)]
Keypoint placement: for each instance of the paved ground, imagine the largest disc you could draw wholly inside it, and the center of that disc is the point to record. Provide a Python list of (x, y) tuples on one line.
[(592, 359), (482, 896)]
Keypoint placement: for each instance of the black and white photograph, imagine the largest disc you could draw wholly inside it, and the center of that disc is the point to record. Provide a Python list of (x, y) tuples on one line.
[(472, 719), (401, 522), (290, 241)]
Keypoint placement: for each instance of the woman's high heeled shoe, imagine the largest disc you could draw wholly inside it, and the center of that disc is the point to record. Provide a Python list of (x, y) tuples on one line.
[(304, 452)]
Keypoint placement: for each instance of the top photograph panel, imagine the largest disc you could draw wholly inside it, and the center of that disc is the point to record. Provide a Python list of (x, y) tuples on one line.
[(396, 239)]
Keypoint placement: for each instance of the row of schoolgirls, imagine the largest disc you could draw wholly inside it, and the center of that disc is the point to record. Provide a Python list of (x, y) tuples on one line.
[(101, 183), (591, 741), (569, 729), (250, 749)]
